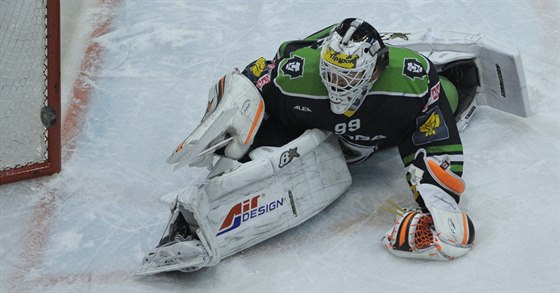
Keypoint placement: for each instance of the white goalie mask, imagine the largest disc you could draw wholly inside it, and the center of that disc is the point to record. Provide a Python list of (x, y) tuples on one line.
[(349, 57)]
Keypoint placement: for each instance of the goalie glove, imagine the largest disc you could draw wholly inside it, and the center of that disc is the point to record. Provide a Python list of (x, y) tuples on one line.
[(414, 236), (452, 231)]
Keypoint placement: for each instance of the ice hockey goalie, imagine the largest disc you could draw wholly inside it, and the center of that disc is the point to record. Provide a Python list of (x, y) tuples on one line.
[(278, 135)]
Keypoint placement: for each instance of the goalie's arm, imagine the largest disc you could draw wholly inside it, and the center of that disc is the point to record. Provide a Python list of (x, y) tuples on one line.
[(433, 155), (260, 71), (435, 131)]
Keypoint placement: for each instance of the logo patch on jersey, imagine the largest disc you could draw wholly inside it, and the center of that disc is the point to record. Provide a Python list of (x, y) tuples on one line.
[(430, 127), (293, 67), (340, 59), (413, 69), (264, 80), (434, 96), (302, 108), (258, 67)]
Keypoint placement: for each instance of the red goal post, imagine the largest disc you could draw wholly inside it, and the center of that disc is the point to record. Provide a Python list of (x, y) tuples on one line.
[(30, 110)]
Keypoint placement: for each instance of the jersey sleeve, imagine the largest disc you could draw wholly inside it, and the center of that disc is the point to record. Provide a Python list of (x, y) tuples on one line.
[(435, 131), (261, 67), (292, 74)]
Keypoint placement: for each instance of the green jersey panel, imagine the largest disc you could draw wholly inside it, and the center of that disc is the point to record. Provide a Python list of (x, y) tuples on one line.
[(405, 75), (298, 75)]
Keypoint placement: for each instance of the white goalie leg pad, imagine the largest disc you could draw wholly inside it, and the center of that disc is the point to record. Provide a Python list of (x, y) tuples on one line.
[(243, 204), (500, 68), (235, 111)]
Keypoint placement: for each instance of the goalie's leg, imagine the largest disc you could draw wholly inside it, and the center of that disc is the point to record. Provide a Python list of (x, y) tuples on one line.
[(242, 204)]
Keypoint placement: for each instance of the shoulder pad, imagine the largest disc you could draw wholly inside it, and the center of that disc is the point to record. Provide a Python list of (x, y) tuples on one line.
[(405, 75)]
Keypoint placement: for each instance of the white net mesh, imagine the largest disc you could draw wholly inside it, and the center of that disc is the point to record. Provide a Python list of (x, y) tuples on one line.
[(23, 87)]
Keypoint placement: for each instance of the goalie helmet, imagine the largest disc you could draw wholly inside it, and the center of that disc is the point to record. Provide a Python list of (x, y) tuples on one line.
[(349, 57)]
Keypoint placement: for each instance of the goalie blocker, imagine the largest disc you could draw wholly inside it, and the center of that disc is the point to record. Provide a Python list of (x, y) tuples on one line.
[(233, 116)]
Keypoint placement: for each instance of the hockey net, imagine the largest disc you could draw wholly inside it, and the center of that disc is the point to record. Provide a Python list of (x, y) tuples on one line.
[(29, 89)]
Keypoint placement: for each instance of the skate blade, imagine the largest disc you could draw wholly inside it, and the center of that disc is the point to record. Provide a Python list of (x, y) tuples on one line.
[(181, 256), (151, 269)]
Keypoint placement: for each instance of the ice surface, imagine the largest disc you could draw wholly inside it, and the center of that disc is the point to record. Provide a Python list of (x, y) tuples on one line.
[(87, 228)]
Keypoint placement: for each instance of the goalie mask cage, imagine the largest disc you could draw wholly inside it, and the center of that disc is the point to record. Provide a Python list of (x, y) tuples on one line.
[(29, 89)]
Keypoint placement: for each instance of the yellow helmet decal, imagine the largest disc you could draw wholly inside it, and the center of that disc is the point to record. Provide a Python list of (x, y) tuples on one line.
[(340, 59)]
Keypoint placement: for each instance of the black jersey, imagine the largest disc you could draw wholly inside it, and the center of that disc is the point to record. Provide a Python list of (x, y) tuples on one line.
[(405, 107)]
